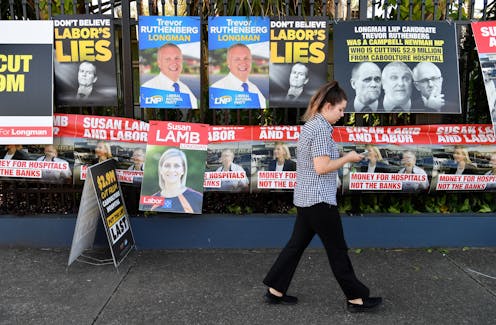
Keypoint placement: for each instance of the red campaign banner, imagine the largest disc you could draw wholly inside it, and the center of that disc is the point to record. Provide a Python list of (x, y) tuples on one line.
[(276, 133), (192, 136), (222, 134), (107, 128), (126, 139), (65, 125), (418, 134), (480, 134), (485, 36), (442, 134)]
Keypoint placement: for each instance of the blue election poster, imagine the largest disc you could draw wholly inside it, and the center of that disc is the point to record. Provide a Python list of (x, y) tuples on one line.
[(238, 62), (169, 62)]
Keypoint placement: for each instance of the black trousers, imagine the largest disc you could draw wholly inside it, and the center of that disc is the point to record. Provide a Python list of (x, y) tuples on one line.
[(324, 220)]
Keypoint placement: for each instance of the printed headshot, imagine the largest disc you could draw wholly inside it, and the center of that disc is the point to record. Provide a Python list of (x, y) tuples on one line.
[(229, 168), (84, 84), (171, 64), (366, 81), (175, 178), (241, 71)]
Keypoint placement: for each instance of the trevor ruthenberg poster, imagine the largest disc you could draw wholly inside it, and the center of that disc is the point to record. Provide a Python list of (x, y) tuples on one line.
[(174, 168), (26, 82), (169, 61), (298, 59), (238, 49), (84, 61), (392, 66)]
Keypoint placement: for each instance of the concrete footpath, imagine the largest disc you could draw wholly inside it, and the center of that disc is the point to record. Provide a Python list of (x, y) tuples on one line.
[(420, 286)]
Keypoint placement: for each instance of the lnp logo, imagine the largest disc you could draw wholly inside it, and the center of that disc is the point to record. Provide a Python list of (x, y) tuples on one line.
[(154, 99), (222, 100)]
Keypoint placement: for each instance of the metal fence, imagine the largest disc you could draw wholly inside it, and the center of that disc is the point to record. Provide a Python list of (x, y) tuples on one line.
[(127, 12), (33, 198)]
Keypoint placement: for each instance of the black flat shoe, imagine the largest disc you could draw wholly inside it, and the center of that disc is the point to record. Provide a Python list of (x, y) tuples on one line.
[(284, 300), (369, 304)]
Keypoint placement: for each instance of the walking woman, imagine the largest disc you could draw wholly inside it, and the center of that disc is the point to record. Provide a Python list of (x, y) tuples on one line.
[(315, 200)]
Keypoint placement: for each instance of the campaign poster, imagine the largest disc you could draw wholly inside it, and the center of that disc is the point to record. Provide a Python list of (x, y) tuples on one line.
[(238, 49), (465, 158), (98, 138), (396, 159), (50, 163), (229, 159), (485, 40), (394, 67), (113, 211), (84, 60), (298, 59), (26, 82), (274, 157), (45, 163), (169, 62), (176, 155)]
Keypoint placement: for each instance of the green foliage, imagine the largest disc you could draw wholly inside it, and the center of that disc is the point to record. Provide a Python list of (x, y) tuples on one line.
[(443, 251), (412, 10), (237, 209), (442, 203)]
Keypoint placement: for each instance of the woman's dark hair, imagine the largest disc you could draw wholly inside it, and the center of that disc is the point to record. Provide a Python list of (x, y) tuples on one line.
[(328, 93)]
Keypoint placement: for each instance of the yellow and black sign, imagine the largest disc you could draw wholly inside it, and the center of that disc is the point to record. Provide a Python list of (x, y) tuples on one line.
[(298, 59), (112, 208), (84, 60)]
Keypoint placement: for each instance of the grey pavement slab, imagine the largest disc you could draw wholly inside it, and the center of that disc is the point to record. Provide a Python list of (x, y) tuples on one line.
[(480, 264), (224, 287), (37, 288)]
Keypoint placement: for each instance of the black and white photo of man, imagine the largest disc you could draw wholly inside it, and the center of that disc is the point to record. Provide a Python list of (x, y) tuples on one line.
[(366, 81), (397, 84), (298, 78), (429, 82), (86, 80)]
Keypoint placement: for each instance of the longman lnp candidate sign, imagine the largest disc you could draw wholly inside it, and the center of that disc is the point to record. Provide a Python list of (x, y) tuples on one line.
[(26, 82)]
